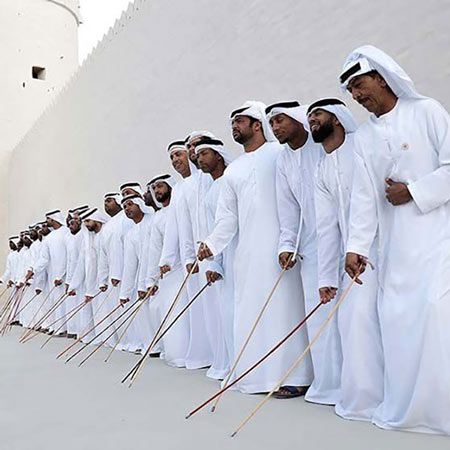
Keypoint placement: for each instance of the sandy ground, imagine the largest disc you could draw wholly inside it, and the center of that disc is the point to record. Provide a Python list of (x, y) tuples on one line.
[(45, 404)]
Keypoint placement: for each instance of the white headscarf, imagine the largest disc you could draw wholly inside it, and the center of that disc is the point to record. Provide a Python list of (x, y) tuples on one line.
[(181, 145), (196, 134), (367, 58), (137, 200), (292, 109), (165, 177), (57, 216), (94, 214), (132, 185), (338, 108), (256, 110), (114, 195), (217, 146)]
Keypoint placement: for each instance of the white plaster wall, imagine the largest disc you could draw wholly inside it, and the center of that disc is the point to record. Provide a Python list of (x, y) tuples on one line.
[(40, 33), (170, 67)]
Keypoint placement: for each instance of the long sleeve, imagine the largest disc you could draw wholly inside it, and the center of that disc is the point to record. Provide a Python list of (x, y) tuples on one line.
[(103, 262), (130, 269), (79, 273), (7, 274), (363, 222), (154, 254), (170, 253), (433, 190), (59, 259), (43, 260), (186, 230), (227, 219), (328, 235), (288, 210), (144, 257), (92, 271)]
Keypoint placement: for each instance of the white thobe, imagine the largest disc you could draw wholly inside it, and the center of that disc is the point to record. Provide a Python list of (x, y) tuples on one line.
[(53, 259), (176, 234), (296, 171), (141, 332), (361, 387), (176, 341), (247, 208), (409, 144), (9, 269)]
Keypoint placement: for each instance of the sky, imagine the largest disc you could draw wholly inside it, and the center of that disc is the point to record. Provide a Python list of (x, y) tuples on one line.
[(97, 17)]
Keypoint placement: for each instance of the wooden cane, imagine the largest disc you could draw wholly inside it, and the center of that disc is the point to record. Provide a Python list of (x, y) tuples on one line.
[(260, 361), (131, 316), (253, 329), (85, 334), (32, 321), (135, 369), (299, 359)]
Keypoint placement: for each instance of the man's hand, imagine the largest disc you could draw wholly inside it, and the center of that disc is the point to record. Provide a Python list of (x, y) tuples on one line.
[(204, 252), (124, 301), (142, 294), (38, 291), (88, 298), (355, 265), (397, 193), (10, 284), (286, 260), (189, 268), (327, 294), (29, 275), (153, 290), (115, 282), (212, 277), (72, 293), (20, 285), (164, 269), (103, 288), (58, 282)]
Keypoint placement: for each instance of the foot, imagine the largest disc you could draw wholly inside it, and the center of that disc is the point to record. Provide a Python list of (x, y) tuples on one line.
[(290, 392), (71, 336), (154, 355)]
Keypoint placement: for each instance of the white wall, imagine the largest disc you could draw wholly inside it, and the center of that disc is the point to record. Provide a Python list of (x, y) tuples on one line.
[(171, 67)]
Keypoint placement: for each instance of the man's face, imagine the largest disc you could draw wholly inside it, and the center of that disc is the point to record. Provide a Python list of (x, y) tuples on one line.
[(12, 246), (162, 191), (91, 225), (111, 206), (129, 191), (49, 222), (75, 225), (284, 127), (180, 162), (208, 160), (26, 240), (369, 91), (242, 128), (191, 148), (68, 218), (34, 234), (132, 210), (20, 244), (321, 124)]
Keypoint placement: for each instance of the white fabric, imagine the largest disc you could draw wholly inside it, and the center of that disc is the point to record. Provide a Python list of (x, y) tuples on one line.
[(176, 341), (397, 79), (343, 114), (409, 144), (298, 113), (296, 170), (247, 209), (257, 110), (227, 156), (361, 389), (58, 217)]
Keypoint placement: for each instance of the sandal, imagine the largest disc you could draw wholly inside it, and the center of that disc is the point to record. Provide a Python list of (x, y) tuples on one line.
[(290, 392)]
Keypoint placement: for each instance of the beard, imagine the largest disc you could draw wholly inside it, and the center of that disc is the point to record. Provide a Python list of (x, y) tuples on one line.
[(161, 198), (322, 132)]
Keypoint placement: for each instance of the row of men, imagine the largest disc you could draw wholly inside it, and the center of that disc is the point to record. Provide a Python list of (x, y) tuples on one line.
[(313, 194)]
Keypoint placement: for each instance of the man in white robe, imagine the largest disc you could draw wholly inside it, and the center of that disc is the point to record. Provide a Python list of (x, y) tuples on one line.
[(401, 192), (163, 289), (213, 158), (141, 332), (296, 169), (6, 278), (178, 232), (74, 242), (247, 208), (85, 279), (361, 390), (53, 261)]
